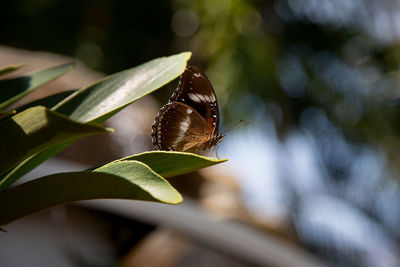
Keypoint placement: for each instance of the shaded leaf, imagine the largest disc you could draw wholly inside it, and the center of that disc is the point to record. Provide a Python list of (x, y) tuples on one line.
[(10, 68), (35, 130), (4, 114), (48, 101), (14, 89), (29, 164), (124, 180)]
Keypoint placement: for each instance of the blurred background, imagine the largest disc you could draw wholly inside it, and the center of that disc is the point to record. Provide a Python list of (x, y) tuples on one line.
[(316, 170)]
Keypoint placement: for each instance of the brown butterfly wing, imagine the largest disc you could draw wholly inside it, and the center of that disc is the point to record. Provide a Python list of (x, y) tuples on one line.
[(196, 91), (179, 127)]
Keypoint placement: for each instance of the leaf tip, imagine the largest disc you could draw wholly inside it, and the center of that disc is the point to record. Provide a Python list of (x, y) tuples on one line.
[(178, 199), (188, 54)]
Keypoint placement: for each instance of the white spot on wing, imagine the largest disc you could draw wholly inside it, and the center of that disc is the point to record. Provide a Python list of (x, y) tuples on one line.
[(196, 74), (197, 97), (183, 127), (189, 111), (212, 98)]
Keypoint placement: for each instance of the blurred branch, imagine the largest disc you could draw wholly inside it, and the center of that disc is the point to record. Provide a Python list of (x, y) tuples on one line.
[(229, 237)]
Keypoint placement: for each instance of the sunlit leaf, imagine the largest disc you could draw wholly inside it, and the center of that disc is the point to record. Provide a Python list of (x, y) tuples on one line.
[(106, 97), (171, 163)]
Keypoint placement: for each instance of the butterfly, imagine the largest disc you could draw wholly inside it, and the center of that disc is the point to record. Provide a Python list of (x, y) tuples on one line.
[(189, 121)]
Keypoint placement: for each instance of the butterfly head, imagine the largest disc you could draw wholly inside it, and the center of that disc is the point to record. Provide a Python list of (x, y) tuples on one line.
[(213, 143), (216, 139)]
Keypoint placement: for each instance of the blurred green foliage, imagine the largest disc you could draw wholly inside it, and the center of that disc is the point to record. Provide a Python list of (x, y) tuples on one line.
[(107, 35)]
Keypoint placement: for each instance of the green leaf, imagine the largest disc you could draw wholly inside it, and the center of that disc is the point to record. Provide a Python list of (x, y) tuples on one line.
[(10, 68), (171, 163), (29, 164), (48, 101), (123, 180), (106, 97), (37, 129), (14, 89), (103, 99), (4, 114)]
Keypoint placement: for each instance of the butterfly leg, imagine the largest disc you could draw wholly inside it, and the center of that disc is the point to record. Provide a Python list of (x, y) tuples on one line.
[(211, 151), (216, 151)]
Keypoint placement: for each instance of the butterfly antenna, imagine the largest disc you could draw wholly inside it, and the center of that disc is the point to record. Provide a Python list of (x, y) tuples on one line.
[(245, 123)]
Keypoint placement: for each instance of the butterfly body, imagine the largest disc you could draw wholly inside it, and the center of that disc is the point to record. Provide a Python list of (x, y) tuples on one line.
[(189, 121)]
